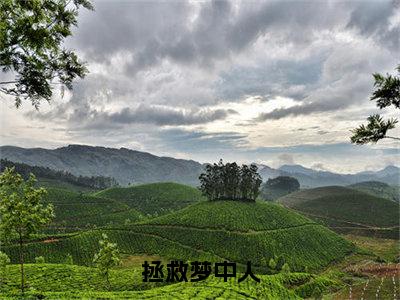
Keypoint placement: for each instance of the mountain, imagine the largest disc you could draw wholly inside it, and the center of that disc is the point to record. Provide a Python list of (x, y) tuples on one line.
[(313, 178), (296, 169), (135, 167), (126, 166)]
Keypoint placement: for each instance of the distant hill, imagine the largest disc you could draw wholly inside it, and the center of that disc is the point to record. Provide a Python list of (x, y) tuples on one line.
[(310, 178), (154, 198), (47, 177), (126, 166), (378, 189), (347, 210), (135, 167), (213, 231)]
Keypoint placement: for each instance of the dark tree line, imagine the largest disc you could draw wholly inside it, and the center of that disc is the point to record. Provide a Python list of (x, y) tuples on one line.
[(230, 182), (97, 182), (278, 187)]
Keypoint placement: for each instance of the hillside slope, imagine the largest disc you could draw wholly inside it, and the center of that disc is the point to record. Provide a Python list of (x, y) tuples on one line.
[(77, 211), (378, 189), (346, 209), (215, 232), (126, 166), (154, 198)]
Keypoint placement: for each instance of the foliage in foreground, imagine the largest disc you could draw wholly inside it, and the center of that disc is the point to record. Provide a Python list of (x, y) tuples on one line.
[(106, 258), (21, 209), (67, 282), (31, 37)]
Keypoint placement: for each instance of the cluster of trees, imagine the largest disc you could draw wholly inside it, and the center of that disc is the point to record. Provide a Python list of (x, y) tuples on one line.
[(96, 182), (278, 187), (230, 182)]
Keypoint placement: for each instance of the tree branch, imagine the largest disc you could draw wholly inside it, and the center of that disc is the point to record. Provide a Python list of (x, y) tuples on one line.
[(8, 82), (392, 137)]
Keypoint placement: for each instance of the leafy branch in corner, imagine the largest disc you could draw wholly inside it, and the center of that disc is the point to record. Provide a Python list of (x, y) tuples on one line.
[(387, 93), (31, 36)]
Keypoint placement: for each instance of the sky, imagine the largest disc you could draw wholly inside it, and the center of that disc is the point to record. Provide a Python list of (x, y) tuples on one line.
[(273, 82)]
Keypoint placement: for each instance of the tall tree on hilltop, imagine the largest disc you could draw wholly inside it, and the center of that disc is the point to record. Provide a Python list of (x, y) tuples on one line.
[(256, 181), (31, 37), (230, 182), (21, 210), (387, 93)]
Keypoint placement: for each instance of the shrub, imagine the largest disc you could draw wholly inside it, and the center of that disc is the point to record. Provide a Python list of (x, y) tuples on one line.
[(40, 260), (4, 261), (69, 260)]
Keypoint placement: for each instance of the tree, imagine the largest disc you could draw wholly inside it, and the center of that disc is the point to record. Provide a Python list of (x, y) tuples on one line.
[(31, 37), (278, 187), (230, 182), (21, 210), (106, 258), (387, 93), (4, 261)]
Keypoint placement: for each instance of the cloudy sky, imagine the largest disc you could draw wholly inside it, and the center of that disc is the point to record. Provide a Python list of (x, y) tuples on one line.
[(273, 82)]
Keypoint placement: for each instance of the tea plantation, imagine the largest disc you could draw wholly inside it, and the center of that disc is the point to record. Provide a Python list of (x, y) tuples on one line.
[(347, 210), (247, 231), (154, 198), (76, 211), (57, 281)]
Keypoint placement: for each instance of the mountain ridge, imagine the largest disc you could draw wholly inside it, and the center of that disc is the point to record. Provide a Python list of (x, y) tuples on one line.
[(130, 166)]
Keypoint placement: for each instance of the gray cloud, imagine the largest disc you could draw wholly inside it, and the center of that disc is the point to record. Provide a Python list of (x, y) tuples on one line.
[(153, 31), (165, 116), (286, 78), (163, 63), (371, 19), (286, 159)]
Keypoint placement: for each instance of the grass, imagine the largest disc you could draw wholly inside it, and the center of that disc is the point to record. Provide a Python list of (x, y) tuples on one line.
[(387, 249), (155, 198)]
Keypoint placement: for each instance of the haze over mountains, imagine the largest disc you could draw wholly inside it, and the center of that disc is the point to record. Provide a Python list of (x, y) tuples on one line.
[(133, 167)]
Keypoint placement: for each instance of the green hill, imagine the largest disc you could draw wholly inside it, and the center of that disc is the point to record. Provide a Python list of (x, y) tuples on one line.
[(347, 210), (59, 281), (76, 211), (213, 231), (378, 189), (154, 198)]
